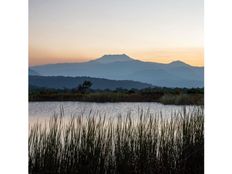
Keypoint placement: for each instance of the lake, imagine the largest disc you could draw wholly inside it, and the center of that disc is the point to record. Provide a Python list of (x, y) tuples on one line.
[(43, 110), (87, 140)]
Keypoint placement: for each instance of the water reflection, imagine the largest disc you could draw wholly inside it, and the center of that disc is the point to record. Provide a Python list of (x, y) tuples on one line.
[(44, 110)]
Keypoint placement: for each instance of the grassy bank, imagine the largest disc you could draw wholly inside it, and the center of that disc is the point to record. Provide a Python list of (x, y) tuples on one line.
[(146, 144), (177, 96)]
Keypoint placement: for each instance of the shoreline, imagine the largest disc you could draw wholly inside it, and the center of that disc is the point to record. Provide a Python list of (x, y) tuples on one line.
[(34, 101)]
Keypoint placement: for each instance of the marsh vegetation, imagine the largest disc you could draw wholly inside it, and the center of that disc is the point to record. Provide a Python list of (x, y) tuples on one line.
[(147, 143), (176, 96)]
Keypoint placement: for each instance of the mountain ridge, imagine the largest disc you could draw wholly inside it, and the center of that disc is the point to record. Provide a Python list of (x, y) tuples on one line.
[(110, 58), (95, 60), (61, 82), (122, 67)]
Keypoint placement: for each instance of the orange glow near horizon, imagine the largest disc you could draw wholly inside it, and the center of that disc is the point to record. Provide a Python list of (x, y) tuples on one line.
[(78, 31), (192, 56)]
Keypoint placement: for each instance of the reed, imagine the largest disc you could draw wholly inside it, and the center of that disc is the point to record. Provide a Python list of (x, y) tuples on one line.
[(100, 144)]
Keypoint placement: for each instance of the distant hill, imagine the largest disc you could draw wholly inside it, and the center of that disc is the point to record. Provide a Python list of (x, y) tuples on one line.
[(33, 72), (122, 67), (60, 82)]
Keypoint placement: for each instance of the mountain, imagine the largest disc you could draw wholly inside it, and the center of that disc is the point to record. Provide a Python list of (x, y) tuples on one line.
[(122, 67), (178, 63), (61, 82), (33, 72), (113, 58)]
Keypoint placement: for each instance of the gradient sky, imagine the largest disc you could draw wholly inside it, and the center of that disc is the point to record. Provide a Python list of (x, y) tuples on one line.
[(149, 30)]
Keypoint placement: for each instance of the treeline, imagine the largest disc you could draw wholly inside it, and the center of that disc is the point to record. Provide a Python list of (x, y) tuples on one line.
[(177, 96)]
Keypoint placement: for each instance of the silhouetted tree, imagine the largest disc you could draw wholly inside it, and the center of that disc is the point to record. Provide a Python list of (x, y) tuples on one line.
[(85, 86)]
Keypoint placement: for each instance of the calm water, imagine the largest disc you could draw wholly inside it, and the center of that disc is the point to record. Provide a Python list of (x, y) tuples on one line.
[(48, 109)]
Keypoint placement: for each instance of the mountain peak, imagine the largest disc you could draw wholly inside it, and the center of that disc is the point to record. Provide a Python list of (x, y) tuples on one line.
[(178, 63), (110, 58)]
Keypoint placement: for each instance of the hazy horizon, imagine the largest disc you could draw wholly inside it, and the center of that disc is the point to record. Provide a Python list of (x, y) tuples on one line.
[(91, 59), (78, 31)]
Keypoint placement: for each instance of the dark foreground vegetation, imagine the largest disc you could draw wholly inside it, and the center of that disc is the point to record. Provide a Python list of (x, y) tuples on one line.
[(149, 144), (177, 96)]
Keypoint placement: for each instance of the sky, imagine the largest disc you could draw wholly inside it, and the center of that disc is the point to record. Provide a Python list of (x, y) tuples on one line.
[(81, 30)]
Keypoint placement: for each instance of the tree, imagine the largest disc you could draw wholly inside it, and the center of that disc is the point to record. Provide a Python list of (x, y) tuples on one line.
[(85, 86)]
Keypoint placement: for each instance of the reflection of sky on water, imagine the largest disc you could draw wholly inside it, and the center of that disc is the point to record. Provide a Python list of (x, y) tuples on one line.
[(47, 109)]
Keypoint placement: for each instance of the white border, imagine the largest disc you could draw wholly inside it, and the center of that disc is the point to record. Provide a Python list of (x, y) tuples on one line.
[(218, 86), (13, 86)]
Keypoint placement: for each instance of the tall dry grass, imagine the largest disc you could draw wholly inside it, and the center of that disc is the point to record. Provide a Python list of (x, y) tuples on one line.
[(96, 144)]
